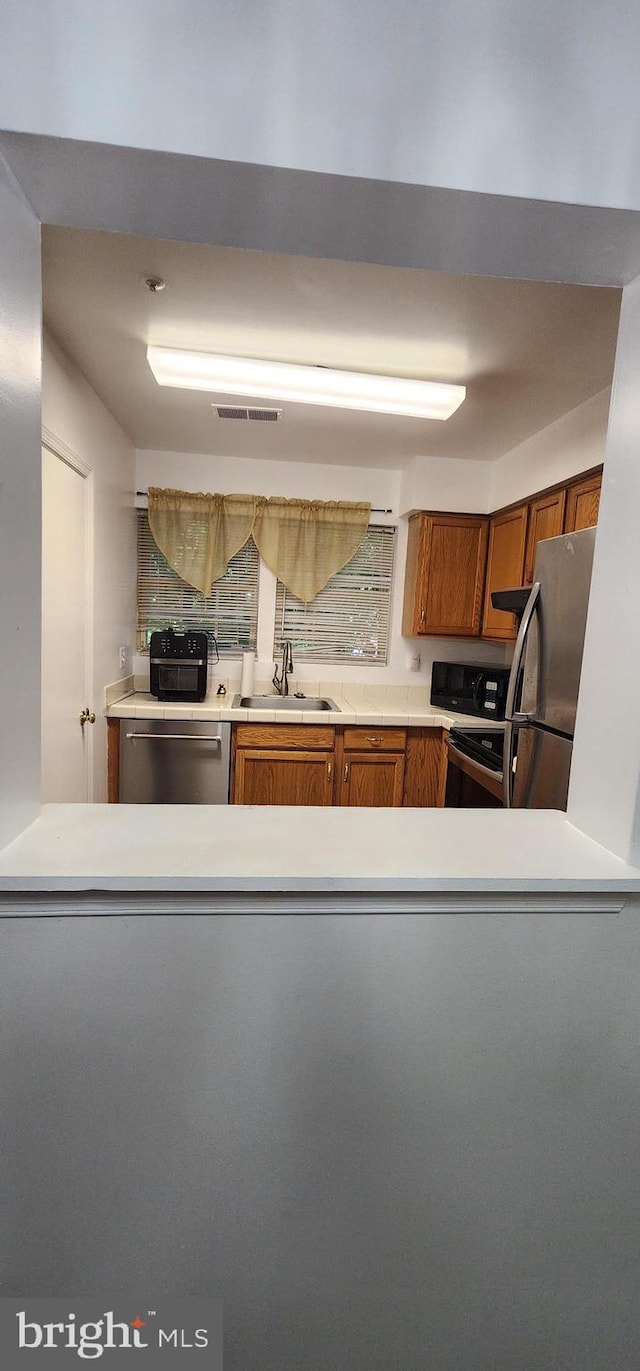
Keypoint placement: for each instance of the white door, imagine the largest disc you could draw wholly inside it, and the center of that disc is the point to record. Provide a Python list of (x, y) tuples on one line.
[(66, 743)]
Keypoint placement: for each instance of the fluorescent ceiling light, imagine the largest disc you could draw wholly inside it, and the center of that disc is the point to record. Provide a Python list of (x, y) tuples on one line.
[(304, 385)]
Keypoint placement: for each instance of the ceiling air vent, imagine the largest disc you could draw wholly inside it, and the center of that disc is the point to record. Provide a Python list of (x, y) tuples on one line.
[(265, 416)]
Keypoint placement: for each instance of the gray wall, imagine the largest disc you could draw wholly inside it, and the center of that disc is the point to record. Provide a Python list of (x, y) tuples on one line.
[(387, 1141), (20, 503), (490, 95), (604, 797)]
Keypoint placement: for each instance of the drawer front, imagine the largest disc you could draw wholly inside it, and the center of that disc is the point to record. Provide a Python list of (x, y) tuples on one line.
[(304, 736), (375, 739)]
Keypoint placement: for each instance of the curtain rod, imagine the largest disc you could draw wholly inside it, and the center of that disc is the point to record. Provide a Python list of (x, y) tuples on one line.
[(374, 510)]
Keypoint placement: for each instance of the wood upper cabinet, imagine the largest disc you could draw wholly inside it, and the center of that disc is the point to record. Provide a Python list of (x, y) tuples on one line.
[(583, 500), (505, 568), (267, 776), (446, 556), (546, 520)]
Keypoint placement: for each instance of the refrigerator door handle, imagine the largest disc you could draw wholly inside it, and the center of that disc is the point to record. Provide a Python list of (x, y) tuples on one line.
[(507, 768), (513, 715)]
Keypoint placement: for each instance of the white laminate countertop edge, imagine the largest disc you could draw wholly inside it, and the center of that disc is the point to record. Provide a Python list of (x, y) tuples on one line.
[(236, 848)]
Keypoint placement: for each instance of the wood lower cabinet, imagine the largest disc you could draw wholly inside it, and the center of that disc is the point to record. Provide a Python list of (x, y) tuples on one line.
[(546, 520), (113, 761), (583, 501), (355, 765), (371, 779), (283, 764), (266, 776), (444, 577), (425, 771), (370, 766), (505, 568)]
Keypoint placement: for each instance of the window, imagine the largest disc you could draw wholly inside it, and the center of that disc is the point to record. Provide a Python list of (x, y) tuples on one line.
[(229, 613), (349, 619)]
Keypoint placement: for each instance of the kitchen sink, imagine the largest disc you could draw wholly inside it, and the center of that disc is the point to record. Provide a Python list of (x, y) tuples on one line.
[(283, 702)]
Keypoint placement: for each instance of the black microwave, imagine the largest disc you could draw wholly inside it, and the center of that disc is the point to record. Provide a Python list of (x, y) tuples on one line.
[(178, 665), (468, 688)]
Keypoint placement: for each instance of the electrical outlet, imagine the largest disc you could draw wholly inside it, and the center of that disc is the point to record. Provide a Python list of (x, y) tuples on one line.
[(123, 658), (413, 661)]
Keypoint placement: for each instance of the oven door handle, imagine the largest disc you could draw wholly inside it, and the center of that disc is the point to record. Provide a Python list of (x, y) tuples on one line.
[(487, 770)]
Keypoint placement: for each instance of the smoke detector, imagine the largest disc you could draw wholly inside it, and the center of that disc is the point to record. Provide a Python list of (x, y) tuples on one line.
[(154, 283)]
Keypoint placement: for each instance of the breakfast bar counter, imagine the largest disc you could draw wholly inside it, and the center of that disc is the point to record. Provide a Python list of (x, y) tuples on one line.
[(175, 850)]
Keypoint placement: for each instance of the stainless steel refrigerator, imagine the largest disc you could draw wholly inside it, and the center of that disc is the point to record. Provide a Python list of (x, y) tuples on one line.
[(545, 674)]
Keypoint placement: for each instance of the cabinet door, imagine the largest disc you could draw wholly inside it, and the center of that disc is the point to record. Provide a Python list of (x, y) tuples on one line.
[(546, 520), (446, 557), (275, 777), (583, 500), (425, 768), (505, 568), (372, 779)]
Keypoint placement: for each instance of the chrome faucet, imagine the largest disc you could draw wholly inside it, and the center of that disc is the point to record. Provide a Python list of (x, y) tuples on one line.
[(281, 682)]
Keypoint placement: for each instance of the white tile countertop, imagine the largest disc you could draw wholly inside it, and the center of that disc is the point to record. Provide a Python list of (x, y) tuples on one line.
[(217, 848), (381, 705)]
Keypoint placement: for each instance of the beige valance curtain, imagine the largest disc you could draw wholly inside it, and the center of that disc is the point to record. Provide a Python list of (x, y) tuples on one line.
[(304, 542), (199, 534)]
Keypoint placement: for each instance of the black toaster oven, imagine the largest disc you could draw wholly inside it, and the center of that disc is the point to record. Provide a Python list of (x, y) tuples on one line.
[(178, 665)]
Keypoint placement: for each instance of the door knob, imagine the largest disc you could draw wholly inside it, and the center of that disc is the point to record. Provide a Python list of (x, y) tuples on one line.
[(87, 717)]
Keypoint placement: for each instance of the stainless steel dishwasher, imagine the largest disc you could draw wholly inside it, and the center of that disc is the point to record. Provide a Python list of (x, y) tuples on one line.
[(177, 762)]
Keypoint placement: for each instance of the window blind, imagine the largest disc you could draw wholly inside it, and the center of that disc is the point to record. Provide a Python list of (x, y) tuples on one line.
[(229, 613), (350, 618)]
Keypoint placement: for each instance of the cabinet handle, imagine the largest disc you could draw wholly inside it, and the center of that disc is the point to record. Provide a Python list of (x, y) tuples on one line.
[(329, 770), (346, 771), (375, 742)]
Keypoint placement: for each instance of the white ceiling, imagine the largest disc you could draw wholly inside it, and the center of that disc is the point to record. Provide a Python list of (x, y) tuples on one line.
[(528, 352)]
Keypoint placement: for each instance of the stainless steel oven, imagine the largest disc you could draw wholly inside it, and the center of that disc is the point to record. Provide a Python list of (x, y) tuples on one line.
[(475, 768)]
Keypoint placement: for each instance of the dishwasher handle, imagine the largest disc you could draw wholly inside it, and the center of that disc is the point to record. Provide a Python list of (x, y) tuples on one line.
[(179, 737)]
